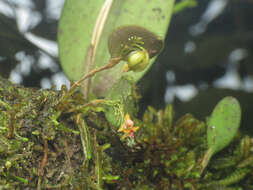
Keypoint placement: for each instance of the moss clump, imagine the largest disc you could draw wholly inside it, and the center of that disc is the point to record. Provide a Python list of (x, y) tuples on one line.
[(52, 143)]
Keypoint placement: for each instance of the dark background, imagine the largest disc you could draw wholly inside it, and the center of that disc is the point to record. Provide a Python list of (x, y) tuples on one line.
[(207, 55)]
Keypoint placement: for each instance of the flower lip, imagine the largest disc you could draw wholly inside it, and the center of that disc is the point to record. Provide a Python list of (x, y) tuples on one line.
[(128, 127), (123, 35)]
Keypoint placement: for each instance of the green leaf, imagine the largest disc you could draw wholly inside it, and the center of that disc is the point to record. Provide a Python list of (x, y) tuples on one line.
[(223, 124), (76, 27), (180, 6)]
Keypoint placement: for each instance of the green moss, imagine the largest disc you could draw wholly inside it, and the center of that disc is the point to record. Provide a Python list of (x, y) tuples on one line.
[(47, 143)]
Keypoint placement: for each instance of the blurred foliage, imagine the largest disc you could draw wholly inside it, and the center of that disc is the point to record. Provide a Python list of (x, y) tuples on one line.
[(13, 41)]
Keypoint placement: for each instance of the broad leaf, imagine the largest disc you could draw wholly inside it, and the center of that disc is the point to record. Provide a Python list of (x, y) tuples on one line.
[(75, 29), (77, 24)]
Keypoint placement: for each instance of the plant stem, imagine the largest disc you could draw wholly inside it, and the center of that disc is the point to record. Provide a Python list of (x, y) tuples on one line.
[(112, 63)]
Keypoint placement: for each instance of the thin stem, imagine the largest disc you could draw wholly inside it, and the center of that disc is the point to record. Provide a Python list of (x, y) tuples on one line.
[(112, 63), (81, 107), (85, 140), (43, 164), (98, 163)]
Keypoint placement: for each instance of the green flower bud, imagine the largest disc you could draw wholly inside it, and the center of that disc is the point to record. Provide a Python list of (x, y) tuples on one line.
[(8, 165), (137, 60)]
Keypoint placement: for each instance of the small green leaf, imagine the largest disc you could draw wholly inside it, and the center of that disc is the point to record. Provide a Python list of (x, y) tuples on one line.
[(223, 124)]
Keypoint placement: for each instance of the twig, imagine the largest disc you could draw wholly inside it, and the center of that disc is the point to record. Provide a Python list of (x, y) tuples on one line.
[(67, 151), (43, 164), (112, 63), (85, 140), (80, 107), (100, 23), (98, 164), (11, 125), (96, 35)]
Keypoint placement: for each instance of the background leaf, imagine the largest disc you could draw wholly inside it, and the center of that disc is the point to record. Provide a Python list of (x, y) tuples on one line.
[(76, 27)]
